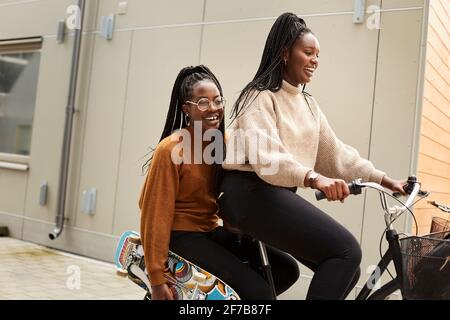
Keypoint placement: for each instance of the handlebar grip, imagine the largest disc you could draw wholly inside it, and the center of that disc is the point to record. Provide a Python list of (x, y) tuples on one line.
[(354, 187), (320, 195)]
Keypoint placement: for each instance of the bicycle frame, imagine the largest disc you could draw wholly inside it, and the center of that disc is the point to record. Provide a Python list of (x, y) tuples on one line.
[(392, 254)]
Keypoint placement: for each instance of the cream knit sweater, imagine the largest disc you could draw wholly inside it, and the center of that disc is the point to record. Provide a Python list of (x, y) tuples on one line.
[(280, 137)]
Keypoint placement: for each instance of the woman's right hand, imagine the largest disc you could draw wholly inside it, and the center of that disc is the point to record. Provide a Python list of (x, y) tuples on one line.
[(161, 292), (334, 189)]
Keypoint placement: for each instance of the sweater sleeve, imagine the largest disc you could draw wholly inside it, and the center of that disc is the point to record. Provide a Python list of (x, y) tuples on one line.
[(335, 159), (157, 204), (264, 150)]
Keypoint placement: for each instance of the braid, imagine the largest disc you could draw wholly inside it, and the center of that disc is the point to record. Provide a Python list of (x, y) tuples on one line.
[(283, 34), (182, 91)]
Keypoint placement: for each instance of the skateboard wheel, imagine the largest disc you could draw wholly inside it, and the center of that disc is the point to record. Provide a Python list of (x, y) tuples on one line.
[(122, 273), (135, 240)]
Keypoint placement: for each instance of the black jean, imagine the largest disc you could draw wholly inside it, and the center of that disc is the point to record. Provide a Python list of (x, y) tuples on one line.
[(236, 261), (281, 218)]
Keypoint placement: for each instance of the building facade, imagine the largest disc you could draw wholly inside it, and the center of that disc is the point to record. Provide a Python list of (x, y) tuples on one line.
[(369, 84)]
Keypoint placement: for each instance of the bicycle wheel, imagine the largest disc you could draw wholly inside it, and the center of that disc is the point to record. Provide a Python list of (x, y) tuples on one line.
[(385, 291)]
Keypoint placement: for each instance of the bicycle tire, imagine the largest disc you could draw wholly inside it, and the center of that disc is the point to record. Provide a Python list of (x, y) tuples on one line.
[(386, 290)]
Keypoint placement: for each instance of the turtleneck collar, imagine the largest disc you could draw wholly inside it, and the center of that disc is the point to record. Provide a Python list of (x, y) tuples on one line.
[(290, 88)]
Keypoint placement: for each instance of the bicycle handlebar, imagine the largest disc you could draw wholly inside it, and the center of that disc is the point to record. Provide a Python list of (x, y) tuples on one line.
[(412, 187), (356, 188)]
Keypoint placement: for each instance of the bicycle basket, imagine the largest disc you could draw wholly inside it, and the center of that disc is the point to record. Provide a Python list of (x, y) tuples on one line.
[(439, 224), (426, 266)]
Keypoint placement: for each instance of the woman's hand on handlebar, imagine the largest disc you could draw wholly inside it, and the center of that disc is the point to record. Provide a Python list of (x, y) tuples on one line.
[(161, 292), (334, 189), (394, 185)]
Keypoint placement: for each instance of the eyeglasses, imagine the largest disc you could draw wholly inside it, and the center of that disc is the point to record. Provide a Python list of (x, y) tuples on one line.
[(204, 103)]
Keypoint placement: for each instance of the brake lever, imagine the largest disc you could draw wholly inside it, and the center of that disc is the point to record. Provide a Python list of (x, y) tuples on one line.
[(409, 186)]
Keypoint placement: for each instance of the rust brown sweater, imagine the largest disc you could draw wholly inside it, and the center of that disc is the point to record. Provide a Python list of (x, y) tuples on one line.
[(174, 197)]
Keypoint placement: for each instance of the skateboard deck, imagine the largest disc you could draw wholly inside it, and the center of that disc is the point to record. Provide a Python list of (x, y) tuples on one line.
[(186, 280)]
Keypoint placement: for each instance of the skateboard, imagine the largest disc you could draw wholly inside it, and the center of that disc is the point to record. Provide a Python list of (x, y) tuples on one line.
[(186, 280)]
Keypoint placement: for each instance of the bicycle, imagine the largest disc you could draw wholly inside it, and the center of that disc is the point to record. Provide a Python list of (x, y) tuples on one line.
[(421, 263)]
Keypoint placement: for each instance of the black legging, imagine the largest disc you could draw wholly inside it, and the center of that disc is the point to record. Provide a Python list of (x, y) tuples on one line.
[(236, 261), (281, 218)]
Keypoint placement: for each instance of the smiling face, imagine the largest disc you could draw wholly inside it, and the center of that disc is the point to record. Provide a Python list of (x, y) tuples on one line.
[(301, 60), (213, 116)]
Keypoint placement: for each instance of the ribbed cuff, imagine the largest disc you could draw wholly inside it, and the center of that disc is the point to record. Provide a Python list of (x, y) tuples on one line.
[(300, 176)]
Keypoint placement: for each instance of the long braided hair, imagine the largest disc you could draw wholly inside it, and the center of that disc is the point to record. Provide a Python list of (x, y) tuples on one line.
[(282, 36), (182, 91)]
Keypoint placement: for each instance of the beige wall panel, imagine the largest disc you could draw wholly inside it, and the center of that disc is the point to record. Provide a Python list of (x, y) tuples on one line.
[(12, 191), (396, 4), (145, 13), (37, 18), (393, 119), (48, 125), (103, 130), (344, 82), (79, 125), (153, 69), (91, 244), (233, 52), (236, 9)]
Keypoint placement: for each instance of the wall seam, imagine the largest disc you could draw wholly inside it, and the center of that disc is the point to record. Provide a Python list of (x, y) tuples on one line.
[(371, 117), (83, 134), (130, 52)]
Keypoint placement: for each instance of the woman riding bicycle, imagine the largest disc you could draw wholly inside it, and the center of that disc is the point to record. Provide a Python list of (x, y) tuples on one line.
[(295, 147)]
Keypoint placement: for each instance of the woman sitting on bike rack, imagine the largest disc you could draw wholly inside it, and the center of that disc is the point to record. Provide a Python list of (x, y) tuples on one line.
[(178, 200), (275, 109)]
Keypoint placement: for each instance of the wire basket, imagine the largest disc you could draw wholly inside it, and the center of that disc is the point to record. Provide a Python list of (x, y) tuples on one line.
[(426, 266), (439, 224)]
